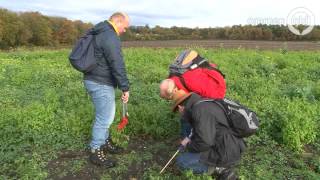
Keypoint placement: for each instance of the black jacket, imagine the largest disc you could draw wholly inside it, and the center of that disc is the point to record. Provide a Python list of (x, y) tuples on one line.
[(211, 136), (111, 68)]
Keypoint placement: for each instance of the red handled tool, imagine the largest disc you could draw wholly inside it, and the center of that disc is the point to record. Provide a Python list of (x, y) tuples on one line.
[(124, 119)]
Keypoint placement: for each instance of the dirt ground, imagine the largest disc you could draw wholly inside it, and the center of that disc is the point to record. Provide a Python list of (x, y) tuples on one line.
[(267, 45), (141, 154)]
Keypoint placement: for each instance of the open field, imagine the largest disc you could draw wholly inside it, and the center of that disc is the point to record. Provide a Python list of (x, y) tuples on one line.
[(46, 115)]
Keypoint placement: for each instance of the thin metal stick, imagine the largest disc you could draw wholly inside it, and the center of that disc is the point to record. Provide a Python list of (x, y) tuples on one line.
[(170, 161), (124, 109), (175, 154)]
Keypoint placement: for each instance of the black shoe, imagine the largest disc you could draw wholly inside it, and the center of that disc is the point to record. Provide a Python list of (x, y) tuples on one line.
[(227, 174), (110, 147), (99, 158)]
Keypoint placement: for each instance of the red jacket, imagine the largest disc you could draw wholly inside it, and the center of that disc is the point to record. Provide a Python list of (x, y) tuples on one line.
[(205, 82)]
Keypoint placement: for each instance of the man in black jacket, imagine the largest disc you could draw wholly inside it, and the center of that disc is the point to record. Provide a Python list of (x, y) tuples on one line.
[(212, 148), (101, 83)]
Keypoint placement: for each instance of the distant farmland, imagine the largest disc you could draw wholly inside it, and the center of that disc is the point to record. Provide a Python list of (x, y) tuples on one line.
[(268, 45)]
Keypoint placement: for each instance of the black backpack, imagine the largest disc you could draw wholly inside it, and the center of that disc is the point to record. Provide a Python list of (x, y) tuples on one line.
[(242, 121), (82, 57)]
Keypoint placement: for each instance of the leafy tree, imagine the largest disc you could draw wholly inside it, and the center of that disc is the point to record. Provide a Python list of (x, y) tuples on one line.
[(81, 27), (128, 35), (67, 33), (10, 28), (33, 28), (1, 30), (40, 28)]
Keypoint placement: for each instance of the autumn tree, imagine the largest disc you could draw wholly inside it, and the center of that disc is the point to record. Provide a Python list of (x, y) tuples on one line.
[(9, 29), (41, 33), (33, 28)]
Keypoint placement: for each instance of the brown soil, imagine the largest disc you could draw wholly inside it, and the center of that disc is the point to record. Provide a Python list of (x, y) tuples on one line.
[(60, 168), (267, 45)]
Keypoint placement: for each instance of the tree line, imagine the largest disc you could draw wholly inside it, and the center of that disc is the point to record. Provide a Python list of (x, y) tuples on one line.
[(236, 32), (33, 28)]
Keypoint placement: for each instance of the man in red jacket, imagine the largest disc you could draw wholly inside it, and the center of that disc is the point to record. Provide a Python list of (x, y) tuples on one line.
[(206, 81)]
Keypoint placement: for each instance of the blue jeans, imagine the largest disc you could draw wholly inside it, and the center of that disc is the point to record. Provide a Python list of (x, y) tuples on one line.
[(103, 98), (191, 161)]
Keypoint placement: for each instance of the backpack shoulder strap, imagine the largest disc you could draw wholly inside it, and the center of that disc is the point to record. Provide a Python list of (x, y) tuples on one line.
[(94, 34), (220, 105), (216, 69), (214, 101), (204, 63), (198, 62), (183, 82), (94, 42), (208, 66)]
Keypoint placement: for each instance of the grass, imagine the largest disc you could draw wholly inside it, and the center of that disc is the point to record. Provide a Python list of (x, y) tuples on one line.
[(46, 115)]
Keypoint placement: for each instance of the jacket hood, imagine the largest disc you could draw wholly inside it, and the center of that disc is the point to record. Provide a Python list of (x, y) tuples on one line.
[(101, 27), (190, 101), (194, 98)]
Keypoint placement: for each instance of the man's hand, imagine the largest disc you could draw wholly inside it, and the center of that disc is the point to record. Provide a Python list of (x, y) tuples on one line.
[(125, 97), (185, 141)]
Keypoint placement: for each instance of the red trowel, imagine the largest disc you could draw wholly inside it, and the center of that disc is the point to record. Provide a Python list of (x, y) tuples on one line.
[(124, 119)]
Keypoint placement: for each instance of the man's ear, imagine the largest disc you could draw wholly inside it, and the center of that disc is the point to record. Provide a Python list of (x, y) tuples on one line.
[(175, 90)]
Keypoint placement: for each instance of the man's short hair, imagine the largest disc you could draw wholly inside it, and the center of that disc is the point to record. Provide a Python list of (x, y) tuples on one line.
[(118, 15)]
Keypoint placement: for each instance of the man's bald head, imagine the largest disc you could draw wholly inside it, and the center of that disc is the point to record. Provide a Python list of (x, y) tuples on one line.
[(121, 20), (167, 88), (117, 15)]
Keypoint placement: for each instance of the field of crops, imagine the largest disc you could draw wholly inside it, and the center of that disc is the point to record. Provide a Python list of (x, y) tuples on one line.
[(46, 115)]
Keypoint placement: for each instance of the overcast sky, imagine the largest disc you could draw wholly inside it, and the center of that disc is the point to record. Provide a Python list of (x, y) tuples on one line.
[(167, 13)]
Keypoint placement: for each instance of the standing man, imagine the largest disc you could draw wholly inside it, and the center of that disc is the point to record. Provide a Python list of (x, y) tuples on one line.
[(101, 83)]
